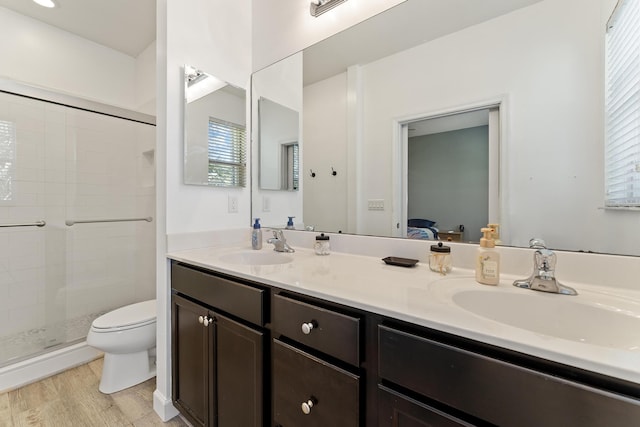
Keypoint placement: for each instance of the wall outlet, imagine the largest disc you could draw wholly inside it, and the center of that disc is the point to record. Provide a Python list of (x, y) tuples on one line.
[(233, 204), (266, 204), (375, 204)]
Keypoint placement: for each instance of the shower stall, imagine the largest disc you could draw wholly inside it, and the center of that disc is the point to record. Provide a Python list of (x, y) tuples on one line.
[(77, 199)]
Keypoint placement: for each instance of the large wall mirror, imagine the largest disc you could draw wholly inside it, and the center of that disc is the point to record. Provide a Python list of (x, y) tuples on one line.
[(214, 128), (538, 64)]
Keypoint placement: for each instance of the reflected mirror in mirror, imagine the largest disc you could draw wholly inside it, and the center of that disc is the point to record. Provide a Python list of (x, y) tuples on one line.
[(214, 131), (279, 149), (543, 60)]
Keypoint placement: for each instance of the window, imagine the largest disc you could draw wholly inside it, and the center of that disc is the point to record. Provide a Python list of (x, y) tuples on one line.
[(291, 173), (622, 147), (7, 159), (227, 154)]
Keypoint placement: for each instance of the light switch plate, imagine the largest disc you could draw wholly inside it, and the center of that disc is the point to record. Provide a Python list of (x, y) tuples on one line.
[(233, 204), (375, 204)]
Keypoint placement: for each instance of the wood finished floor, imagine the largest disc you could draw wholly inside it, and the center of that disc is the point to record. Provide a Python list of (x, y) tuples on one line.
[(72, 399)]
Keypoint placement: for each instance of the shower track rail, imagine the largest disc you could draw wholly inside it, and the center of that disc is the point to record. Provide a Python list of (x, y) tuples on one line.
[(71, 222), (28, 224)]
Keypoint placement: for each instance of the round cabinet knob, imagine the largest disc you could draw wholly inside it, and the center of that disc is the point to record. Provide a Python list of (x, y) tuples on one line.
[(200, 319), (207, 320), (306, 406), (307, 328)]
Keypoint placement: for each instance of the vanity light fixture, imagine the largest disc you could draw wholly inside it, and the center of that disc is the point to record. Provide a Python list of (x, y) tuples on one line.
[(200, 84), (45, 3), (318, 7)]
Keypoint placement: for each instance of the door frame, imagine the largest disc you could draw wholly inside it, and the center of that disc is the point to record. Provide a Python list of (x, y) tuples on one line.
[(497, 152)]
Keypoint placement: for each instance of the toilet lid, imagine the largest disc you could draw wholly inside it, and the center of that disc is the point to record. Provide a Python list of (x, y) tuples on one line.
[(134, 314)]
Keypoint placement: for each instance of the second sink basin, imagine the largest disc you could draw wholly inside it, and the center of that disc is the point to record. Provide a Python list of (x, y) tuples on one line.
[(556, 316), (590, 317), (250, 257)]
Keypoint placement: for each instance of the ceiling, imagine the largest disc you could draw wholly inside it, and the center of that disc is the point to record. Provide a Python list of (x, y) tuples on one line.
[(128, 26), (406, 25)]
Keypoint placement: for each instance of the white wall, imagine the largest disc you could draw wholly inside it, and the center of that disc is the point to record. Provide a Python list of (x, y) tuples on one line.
[(215, 36), (284, 27), (325, 133), (221, 47), (45, 56)]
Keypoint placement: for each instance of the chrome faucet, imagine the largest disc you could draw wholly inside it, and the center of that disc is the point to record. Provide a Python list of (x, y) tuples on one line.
[(279, 242), (543, 276)]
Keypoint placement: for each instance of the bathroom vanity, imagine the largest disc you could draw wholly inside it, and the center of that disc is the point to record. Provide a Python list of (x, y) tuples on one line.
[(302, 343)]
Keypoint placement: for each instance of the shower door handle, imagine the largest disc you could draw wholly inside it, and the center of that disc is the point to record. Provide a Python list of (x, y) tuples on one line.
[(30, 224)]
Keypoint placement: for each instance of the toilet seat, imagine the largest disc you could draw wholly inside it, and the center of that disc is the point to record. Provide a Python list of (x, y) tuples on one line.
[(129, 317)]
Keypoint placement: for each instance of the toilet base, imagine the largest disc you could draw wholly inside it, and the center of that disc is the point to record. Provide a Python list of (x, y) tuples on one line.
[(121, 371)]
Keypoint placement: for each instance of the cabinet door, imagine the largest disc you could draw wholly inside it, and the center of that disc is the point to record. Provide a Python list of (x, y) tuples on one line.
[(310, 392), (190, 363), (397, 410), (239, 373)]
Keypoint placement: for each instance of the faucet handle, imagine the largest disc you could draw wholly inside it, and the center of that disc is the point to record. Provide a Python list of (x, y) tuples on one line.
[(537, 243)]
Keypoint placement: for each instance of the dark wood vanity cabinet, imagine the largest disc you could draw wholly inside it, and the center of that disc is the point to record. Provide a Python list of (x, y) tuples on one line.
[(310, 392), (316, 365), (246, 354), (492, 390), (398, 410), (218, 360)]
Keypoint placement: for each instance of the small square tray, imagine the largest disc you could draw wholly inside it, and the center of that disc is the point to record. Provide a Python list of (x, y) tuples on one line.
[(402, 262)]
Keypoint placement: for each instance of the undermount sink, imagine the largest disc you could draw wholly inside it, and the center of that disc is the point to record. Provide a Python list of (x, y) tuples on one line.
[(250, 257), (592, 318)]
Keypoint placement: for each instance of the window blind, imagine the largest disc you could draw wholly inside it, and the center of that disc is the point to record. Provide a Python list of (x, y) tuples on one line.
[(227, 154), (622, 147), (292, 159), (296, 167)]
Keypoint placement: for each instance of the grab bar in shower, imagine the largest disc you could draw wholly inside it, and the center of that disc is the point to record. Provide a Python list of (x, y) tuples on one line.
[(30, 224), (70, 222)]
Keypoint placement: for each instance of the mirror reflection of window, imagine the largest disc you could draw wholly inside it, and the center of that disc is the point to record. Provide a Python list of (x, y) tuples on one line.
[(226, 149), (291, 173), (7, 159)]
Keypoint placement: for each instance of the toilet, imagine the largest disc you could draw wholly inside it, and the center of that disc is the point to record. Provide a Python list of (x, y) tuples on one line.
[(127, 336)]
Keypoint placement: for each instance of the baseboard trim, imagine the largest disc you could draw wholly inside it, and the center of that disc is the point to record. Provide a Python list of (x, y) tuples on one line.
[(43, 366), (163, 406)]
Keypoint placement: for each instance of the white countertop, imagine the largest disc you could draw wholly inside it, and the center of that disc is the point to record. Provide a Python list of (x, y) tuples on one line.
[(420, 296)]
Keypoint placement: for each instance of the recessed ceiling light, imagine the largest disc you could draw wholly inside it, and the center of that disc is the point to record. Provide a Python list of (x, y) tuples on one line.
[(45, 3)]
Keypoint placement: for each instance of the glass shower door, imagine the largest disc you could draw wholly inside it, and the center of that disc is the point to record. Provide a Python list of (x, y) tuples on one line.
[(76, 170)]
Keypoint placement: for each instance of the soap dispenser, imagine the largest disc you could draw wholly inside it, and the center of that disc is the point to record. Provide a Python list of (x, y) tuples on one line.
[(290, 223), (487, 259), (256, 235)]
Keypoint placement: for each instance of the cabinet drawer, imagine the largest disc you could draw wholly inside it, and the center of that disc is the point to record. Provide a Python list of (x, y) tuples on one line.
[(498, 392), (395, 409), (243, 301), (299, 378), (332, 333)]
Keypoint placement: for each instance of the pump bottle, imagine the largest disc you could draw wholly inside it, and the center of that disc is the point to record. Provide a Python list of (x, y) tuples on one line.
[(256, 235), (487, 260), (290, 223)]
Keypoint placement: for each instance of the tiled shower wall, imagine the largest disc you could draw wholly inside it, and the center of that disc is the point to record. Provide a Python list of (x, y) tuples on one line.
[(70, 164)]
